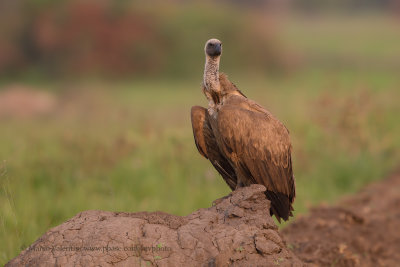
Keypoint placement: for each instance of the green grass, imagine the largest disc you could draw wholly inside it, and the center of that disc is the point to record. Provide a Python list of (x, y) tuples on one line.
[(129, 146)]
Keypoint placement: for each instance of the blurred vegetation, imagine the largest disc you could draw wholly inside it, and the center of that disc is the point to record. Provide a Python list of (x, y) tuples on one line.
[(67, 39), (126, 144)]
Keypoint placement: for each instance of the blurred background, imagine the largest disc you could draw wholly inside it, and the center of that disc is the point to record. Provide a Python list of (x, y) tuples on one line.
[(95, 101)]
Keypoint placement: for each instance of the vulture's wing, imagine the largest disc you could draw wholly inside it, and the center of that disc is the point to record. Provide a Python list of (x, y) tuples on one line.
[(258, 144), (207, 145)]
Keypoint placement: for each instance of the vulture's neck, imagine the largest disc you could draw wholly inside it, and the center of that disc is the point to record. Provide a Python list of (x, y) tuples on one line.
[(211, 80)]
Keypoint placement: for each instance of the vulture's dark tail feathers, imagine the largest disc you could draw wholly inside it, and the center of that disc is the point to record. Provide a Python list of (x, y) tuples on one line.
[(280, 205)]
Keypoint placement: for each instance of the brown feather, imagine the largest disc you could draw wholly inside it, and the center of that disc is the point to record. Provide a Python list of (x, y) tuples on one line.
[(247, 145), (258, 146), (198, 115), (207, 146)]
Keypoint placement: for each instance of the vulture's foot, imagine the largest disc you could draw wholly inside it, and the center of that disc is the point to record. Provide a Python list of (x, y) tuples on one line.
[(239, 185)]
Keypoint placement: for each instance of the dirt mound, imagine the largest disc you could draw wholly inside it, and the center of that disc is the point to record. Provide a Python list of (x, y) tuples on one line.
[(25, 102), (362, 230), (236, 231)]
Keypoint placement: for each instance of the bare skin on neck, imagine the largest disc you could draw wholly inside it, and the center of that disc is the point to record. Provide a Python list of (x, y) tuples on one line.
[(211, 85), (211, 74)]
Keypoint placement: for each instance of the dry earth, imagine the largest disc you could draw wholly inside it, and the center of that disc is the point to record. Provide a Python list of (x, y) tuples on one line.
[(362, 230), (24, 102), (235, 231)]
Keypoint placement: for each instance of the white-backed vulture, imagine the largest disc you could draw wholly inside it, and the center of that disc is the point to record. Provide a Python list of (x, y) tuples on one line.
[(242, 140)]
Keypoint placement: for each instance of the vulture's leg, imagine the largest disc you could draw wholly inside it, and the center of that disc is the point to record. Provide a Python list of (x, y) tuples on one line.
[(240, 181)]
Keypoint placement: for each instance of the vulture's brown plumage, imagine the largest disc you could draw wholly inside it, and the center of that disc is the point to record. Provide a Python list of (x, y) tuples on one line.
[(242, 140)]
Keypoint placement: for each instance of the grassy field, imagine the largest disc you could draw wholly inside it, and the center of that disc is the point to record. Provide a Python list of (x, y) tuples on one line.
[(128, 146)]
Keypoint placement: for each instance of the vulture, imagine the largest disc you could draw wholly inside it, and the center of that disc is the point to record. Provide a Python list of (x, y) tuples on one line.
[(244, 142)]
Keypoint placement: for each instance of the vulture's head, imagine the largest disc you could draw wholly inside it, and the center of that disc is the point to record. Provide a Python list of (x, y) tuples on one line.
[(213, 48)]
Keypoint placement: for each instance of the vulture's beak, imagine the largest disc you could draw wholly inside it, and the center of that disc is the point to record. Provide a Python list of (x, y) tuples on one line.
[(214, 49), (217, 50)]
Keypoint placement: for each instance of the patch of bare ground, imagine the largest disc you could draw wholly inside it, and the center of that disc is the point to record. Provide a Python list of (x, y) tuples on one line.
[(235, 231), (24, 102), (361, 230)]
